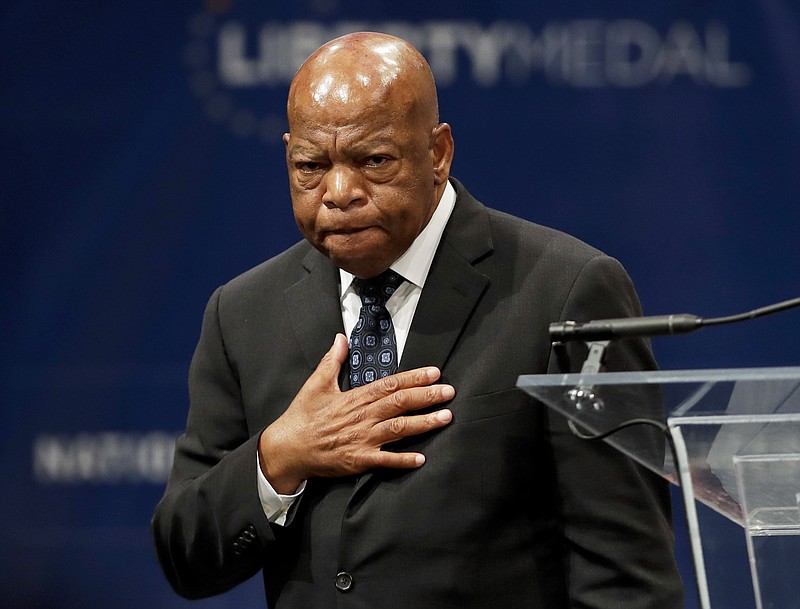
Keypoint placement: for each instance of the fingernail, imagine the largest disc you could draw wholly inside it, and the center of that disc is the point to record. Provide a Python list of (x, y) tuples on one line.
[(433, 373), (419, 459), (448, 392), (444, 416)]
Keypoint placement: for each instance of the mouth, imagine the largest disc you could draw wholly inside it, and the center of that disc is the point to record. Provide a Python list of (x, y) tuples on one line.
[(347, 230)]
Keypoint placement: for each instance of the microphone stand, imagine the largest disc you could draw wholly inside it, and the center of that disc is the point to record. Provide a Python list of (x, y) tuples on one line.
[(583, 396)]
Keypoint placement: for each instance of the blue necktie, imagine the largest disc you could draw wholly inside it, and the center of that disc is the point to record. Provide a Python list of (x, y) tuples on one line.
[(373, 346)]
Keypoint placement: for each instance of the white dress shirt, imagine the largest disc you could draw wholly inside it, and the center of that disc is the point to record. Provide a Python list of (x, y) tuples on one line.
[(413, 266)]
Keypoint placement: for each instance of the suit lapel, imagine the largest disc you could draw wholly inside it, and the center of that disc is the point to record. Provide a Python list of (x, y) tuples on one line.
[(453, 287), (314, 307), (452, 290)]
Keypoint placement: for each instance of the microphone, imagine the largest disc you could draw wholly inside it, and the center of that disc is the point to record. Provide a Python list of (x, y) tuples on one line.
[(682, 323), (606, 329)]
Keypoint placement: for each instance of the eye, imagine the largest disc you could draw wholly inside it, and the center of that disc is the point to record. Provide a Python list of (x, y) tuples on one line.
[(376, 160), (308, 166)]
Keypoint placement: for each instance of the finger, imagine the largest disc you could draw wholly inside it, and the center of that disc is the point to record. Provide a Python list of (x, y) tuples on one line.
[(403, 427), (414, 398), (419, 377), (391, 460)]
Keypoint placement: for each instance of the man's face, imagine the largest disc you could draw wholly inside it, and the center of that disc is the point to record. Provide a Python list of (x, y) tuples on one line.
[(362, 179)]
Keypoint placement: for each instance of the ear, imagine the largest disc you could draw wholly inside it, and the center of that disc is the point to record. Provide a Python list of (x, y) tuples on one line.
[(285, 139), (442, 148)]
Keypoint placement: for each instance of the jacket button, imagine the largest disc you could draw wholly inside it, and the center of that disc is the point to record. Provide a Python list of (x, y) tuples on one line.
[(344, 581)]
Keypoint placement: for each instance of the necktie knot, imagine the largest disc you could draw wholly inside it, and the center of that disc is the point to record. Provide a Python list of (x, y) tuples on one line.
[(377, 290)]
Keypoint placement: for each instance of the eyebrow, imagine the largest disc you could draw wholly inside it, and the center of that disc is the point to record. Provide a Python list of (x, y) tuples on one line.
[(303, 149), (359, 146)]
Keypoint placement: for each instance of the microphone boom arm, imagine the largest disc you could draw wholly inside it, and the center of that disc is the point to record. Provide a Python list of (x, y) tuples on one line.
[(683, 323)]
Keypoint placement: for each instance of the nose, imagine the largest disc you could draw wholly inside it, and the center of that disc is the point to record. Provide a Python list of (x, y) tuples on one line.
[(343, 187)]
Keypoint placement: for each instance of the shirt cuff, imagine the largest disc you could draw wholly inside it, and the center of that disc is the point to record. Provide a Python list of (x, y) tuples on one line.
[(276, 506)]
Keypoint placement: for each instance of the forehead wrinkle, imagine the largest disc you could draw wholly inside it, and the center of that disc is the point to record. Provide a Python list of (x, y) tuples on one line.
[(348, 139)]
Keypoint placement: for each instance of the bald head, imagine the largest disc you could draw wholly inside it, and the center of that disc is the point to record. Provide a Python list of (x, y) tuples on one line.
[(366, 69)]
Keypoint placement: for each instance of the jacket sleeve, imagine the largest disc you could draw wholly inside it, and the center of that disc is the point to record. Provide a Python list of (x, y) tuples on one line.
[(617, 520), (210, 528)]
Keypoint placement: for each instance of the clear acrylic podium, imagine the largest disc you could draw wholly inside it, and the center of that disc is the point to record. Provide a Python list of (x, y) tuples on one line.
[(730, 439)]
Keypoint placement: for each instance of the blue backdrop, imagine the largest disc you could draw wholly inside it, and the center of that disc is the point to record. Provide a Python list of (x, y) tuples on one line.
[(142, 166)]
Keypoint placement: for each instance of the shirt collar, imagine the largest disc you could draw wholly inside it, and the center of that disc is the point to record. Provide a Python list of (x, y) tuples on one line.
[(415, 263)]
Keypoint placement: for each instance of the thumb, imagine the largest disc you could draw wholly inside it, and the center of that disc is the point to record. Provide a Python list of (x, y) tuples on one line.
[(339, 349), (331, 363)]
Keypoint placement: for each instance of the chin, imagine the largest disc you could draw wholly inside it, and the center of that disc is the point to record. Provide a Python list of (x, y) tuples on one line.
[(365, 267), (371, 262)]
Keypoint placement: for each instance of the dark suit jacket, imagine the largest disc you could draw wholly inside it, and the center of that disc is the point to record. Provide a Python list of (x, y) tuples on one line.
[(510, 509)]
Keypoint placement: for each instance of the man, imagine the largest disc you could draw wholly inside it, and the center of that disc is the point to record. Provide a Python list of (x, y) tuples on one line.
[(440, 485)]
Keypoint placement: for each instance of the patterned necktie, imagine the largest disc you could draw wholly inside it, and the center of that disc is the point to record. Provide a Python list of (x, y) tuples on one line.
[(373, 346)]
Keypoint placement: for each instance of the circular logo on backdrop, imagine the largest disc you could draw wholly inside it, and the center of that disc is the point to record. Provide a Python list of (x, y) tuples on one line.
[(241, 61)]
